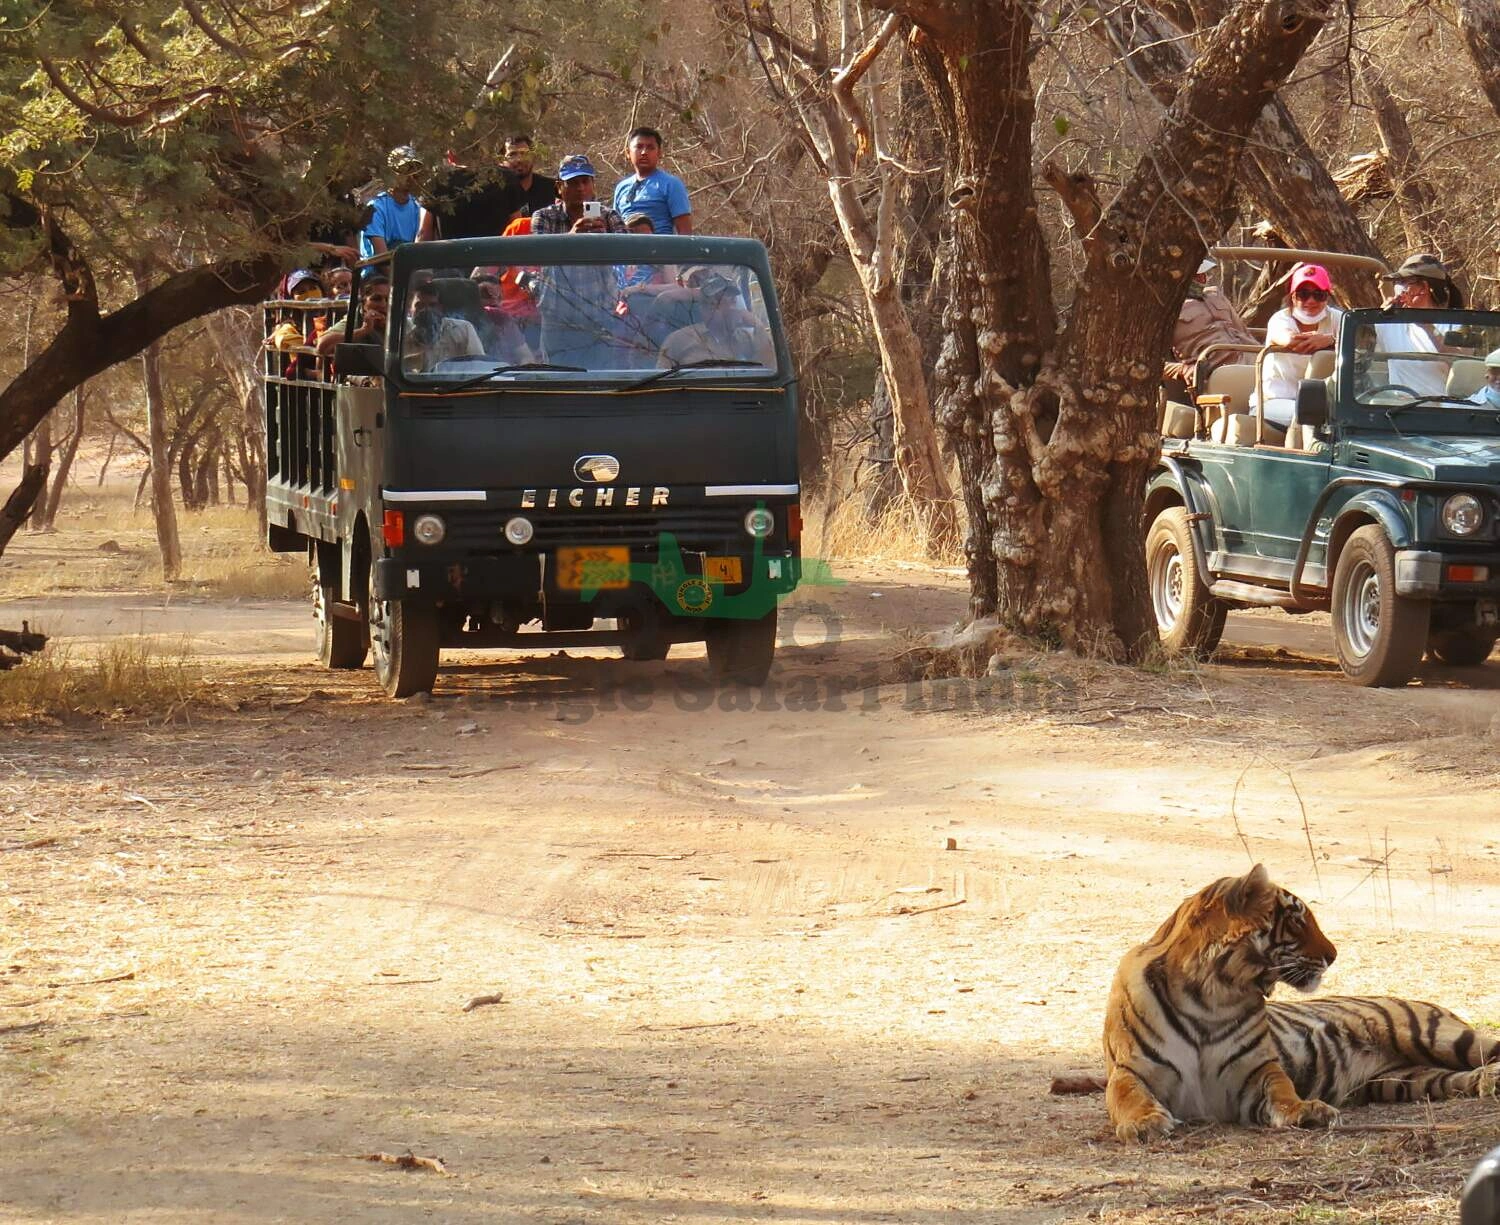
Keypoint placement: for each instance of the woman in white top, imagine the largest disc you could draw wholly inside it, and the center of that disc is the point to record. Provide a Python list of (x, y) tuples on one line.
[(1421, 283), (1306, 325)]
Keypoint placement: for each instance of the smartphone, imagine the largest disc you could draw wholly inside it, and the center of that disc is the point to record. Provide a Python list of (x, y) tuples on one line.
[(592, 208)]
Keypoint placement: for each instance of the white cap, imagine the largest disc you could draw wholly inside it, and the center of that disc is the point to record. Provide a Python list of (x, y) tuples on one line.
[(1208, 265), (1493, 359)]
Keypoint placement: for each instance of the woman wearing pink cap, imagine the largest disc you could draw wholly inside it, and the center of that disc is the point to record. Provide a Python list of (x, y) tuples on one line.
[(1305, 325)]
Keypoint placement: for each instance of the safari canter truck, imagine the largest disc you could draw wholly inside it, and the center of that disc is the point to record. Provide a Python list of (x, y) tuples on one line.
[(613, 442)]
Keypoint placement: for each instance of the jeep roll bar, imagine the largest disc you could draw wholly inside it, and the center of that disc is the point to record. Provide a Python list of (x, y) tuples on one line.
[(1303, 255)]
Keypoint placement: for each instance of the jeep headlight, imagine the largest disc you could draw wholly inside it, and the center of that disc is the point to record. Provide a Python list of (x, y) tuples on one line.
[(429, 530), (1463, 514), (760, 522)]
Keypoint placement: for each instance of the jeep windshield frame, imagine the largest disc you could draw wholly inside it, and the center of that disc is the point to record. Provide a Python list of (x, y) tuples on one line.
[(1376, 352), (755, 324)]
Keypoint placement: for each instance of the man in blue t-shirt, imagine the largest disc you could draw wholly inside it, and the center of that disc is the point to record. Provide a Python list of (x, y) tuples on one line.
[(394, 216), (651, 190)]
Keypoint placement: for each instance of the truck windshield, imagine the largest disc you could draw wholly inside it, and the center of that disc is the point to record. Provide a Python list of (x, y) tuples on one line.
[(1442, 362), (584, 321)]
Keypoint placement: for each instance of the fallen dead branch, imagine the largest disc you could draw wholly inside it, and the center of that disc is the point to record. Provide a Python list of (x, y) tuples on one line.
[(34, 844), (482, 1001), (401, 982), (94, 982), (1077, 1084), (906, 910), (23, 1029), (406, 1161)]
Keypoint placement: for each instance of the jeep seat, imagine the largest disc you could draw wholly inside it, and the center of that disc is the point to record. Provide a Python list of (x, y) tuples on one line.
[(1238, 430), (1464, 377), (1237, 381), (1179, 421)]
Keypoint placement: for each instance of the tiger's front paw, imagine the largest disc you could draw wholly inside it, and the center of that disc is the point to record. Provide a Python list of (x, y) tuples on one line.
[(1152, 1126), (1306, 1114)]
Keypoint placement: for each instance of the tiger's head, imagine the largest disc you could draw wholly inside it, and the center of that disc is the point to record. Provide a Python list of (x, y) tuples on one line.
[(1251, 934)]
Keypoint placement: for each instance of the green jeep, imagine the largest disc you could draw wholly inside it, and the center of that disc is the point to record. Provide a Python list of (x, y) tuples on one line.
[(1380, 504)]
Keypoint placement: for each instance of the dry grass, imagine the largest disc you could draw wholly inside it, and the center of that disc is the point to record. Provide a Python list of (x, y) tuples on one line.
[(138, 676), (842, 530)]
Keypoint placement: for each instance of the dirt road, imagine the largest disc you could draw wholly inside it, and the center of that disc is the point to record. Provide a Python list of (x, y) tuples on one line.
[(740, 975)]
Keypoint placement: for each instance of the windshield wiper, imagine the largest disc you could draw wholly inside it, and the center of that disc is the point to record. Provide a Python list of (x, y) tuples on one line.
[(707, 363), (489, 374)]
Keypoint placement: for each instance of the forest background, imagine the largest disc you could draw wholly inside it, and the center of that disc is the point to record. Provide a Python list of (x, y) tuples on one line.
[(981, 217)]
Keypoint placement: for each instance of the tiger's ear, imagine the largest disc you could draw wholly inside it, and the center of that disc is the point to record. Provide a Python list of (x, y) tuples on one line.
[(1252, 895)]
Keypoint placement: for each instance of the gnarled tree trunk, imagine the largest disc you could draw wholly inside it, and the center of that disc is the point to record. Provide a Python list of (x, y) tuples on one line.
[(1056, 432), (160, 474)]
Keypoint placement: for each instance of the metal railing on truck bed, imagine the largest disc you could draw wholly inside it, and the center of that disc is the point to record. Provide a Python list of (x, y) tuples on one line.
[(301, 443)]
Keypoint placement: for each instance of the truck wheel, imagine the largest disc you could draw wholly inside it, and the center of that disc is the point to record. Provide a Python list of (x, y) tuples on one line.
[(1189, 619), (644, 639), (1379, 635), (405, 639), (740, 650), (341, 641), (1461, 648)]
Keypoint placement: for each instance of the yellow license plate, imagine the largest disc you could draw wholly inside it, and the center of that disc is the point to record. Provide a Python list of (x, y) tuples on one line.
[(722, 570), (603, 568)]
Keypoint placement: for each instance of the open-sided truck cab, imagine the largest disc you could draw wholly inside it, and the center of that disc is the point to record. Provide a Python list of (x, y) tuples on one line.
[(1380, 504), (575, 455)]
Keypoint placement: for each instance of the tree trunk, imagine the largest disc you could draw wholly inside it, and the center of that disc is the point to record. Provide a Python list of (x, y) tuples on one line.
[(1282, 175), (1423, 222), (162, 509), (237, 348), (48, 510), (1480, 20), (880, 479), (39, 455), (22, 498), (1056, 434), (90, 342)]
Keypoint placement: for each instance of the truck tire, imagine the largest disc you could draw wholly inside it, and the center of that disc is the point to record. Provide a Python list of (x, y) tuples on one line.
[(1461, 648), (1379, 635), (341, 641), (740, 650), (645, 638), (1189, 619), (405, 640)]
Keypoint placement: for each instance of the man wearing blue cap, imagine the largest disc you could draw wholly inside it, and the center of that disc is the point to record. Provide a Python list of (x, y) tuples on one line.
[(577, 301), (576, 211)]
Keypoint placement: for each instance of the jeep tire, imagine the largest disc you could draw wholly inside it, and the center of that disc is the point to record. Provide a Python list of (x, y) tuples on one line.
[(1189, 619), (1380, 635), (341, 640), (740, 650), (405, 640), (1465, 647)]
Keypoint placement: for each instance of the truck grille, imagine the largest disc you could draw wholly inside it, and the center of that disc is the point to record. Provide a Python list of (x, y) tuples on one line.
[(483, 530)]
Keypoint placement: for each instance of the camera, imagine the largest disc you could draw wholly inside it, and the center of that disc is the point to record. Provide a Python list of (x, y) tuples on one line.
[(592, 208)]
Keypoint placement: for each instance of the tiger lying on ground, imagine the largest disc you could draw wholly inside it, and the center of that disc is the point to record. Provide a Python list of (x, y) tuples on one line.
[(1189, 1033)]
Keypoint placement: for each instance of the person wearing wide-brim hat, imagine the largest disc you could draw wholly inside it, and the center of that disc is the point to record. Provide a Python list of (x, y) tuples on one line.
[(1423, 282)]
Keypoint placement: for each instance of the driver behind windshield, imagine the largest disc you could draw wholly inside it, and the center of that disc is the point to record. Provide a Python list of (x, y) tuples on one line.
[(431, 337), (727, 332), (1421, 283)]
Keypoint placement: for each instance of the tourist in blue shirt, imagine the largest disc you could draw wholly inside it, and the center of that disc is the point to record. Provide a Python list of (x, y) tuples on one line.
[(395, 216), (651, 190)]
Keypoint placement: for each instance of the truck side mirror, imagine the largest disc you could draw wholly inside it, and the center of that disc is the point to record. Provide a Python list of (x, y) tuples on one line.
[(359, 359), (1312, 402)]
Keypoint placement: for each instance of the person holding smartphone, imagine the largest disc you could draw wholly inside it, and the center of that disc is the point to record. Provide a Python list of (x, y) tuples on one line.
[(577, 301), (576, 210)]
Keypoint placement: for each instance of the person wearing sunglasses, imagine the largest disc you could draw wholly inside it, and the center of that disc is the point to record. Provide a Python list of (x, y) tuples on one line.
[(1307, 324), (1422, 282)]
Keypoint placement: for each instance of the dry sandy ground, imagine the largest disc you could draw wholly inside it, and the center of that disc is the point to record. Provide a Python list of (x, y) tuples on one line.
[(740, 976)]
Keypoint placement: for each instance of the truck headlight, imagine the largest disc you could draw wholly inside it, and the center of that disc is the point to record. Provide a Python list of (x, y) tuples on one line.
[(518, 530), (429, 529), (1463, 514), (760, 522)]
